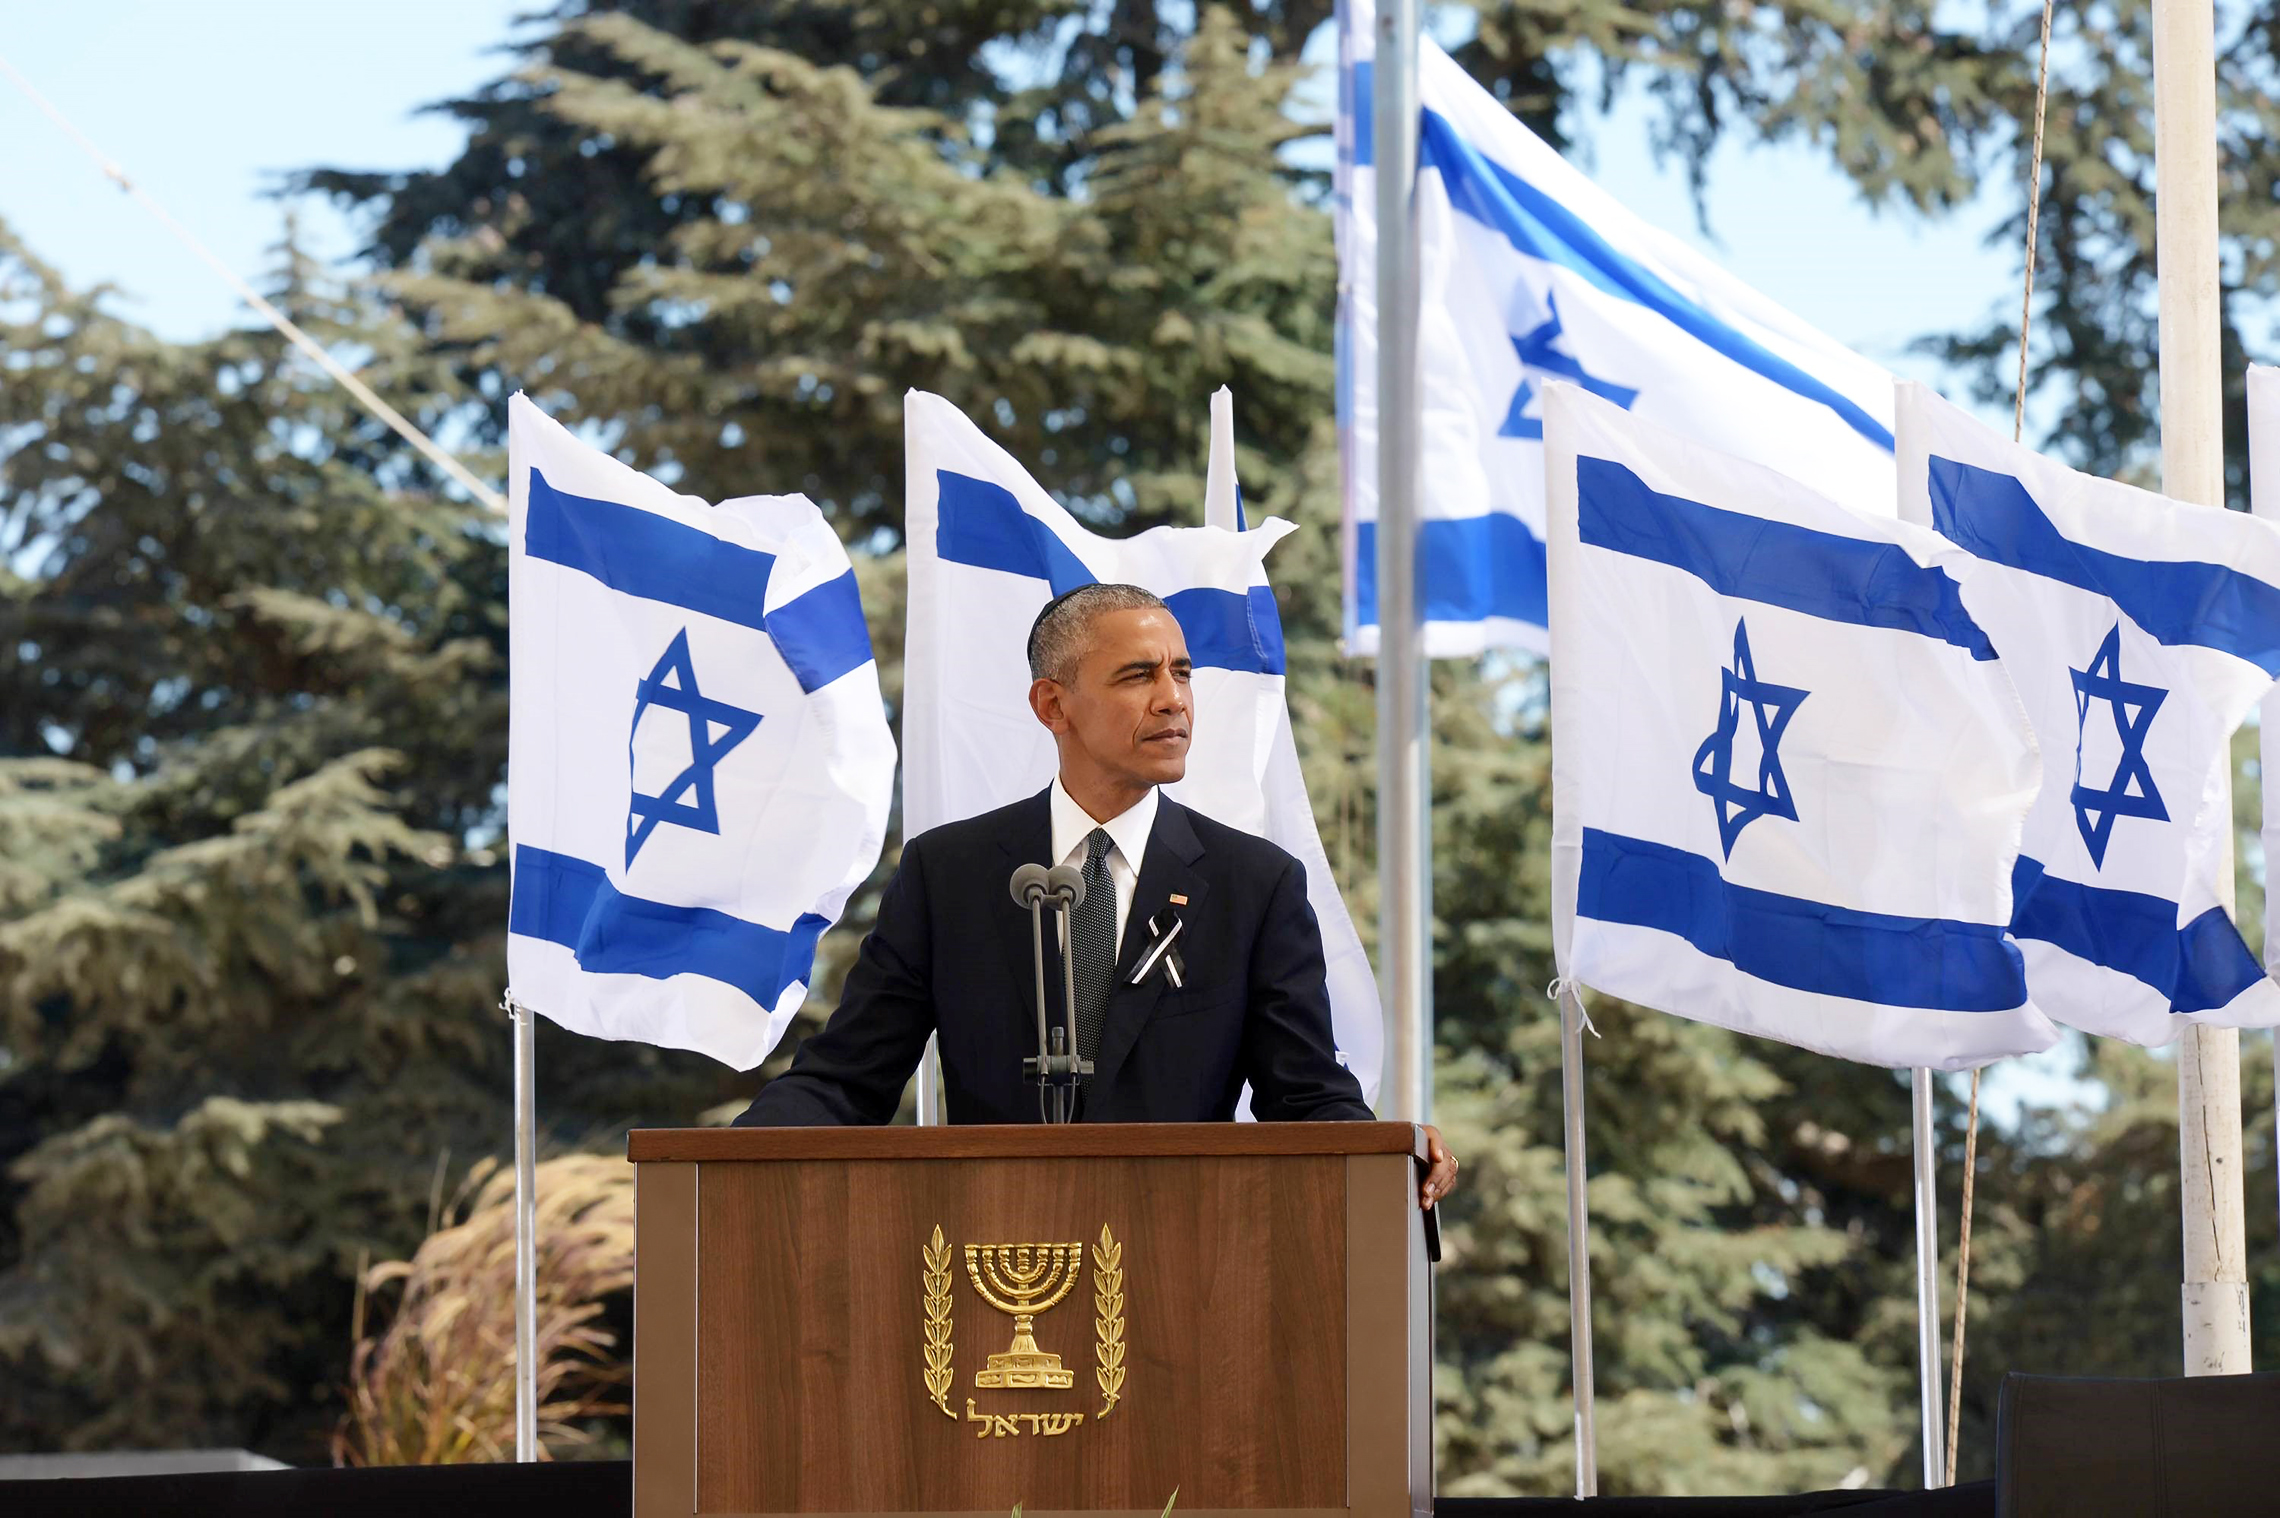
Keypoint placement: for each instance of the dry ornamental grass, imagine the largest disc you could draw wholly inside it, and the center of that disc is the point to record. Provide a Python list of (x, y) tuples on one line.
[(437, 1385)]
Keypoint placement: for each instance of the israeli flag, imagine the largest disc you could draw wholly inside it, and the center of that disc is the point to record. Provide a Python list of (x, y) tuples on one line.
[(987, 549), (2140, 632), (1531, 274), (699, 767), (1788, 772)]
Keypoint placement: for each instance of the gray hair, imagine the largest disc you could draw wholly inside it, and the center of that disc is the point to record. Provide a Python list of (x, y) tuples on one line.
[(1057, 638)]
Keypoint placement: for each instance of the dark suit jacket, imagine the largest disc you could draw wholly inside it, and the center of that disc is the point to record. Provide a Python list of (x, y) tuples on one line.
[(952, 953)]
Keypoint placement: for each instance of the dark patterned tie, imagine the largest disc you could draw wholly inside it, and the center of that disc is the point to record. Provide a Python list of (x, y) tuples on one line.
[(1092, 942)]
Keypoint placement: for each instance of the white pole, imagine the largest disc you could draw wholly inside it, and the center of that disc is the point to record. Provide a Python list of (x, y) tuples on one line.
[(1928, 1284), (2215, 1295), (1405, 839), (1578, 1242), (526, 1237)]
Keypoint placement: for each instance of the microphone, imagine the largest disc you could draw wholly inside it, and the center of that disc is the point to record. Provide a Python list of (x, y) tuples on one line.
[(1067, 882), (1031, 882), (1058, 1066)]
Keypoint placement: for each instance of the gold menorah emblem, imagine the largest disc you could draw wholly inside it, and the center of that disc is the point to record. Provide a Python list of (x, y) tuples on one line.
[(1024, 1280)]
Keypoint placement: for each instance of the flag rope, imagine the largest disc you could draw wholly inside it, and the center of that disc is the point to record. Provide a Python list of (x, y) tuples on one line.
[(2018, 431), (1962, 1274), (380, 409), (2034, 217)]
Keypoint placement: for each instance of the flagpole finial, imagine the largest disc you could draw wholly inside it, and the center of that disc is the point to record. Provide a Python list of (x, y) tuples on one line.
[(1221, 497)]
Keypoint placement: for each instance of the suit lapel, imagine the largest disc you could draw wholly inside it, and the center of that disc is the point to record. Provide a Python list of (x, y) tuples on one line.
[(1029, 841), (1167, 870)]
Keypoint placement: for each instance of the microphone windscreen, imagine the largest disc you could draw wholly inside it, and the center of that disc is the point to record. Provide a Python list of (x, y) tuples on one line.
[(1029, 882), (1067, 879)]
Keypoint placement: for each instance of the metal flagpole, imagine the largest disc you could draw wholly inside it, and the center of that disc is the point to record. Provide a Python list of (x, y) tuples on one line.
[(1928, 1284), (1572, 1024), (2215, 1293), (526, 1236), (929, 1086), (1405, 839)]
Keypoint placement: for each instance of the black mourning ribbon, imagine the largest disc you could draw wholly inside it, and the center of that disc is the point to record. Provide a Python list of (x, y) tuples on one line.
[(1164, 929)]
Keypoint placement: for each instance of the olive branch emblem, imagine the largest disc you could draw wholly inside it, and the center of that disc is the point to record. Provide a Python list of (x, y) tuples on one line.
[(936, 1279), (1108, 1324)]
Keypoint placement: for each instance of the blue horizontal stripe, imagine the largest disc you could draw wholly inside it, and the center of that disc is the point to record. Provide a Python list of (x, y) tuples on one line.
[(983, 525), (1806, 945), (1996, 517), (1240, 632), (2200, 966), (822, 634), (570, 902), (640, 553), (1471, 568), (1822, 574), (1542, 228), (1362, 103)]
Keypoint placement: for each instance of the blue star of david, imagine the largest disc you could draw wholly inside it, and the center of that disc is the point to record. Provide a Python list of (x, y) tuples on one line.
[(1771, 706), (1540, 354), (2131, 792), (706, 748)]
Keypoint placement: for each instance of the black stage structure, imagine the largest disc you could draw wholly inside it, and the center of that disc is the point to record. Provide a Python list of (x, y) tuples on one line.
[(2064, 1446), (604, 1489)]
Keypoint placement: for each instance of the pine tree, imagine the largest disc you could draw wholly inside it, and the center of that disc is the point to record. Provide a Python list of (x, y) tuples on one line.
[(252, 728)]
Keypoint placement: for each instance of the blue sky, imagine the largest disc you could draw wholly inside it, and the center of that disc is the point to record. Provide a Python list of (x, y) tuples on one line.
[(208, 105)]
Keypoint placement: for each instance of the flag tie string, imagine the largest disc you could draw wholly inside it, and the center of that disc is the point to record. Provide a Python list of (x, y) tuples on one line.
[(2018, 432), (1568, 986)]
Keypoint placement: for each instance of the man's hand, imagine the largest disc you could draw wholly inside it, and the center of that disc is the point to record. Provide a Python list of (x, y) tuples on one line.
[(1441, 1179)]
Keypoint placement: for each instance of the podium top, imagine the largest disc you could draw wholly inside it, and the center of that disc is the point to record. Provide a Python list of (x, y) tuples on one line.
[(1023, 1141)]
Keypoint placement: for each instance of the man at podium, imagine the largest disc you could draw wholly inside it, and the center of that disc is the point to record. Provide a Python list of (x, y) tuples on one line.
[(1197, 962)]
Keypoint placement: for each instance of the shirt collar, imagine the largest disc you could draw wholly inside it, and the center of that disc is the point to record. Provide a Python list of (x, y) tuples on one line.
[(1128, 831)]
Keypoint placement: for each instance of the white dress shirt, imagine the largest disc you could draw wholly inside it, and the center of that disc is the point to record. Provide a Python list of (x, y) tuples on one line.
[(1129, 831)]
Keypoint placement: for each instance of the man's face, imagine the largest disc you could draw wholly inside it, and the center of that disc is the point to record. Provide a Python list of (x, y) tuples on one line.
[(1126, 710)]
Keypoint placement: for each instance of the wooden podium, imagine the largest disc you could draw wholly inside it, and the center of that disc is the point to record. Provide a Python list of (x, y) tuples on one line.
[(1079, 1319)]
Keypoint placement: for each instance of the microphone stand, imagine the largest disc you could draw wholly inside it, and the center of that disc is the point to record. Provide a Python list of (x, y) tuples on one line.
[(1042, 1064), (1079, 1067), (1057, 1068)]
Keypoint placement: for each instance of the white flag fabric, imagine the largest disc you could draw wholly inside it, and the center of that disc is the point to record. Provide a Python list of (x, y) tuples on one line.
[(987, 549), (1788, 772), (699, 769), (2139, 631), (1530, 273)]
